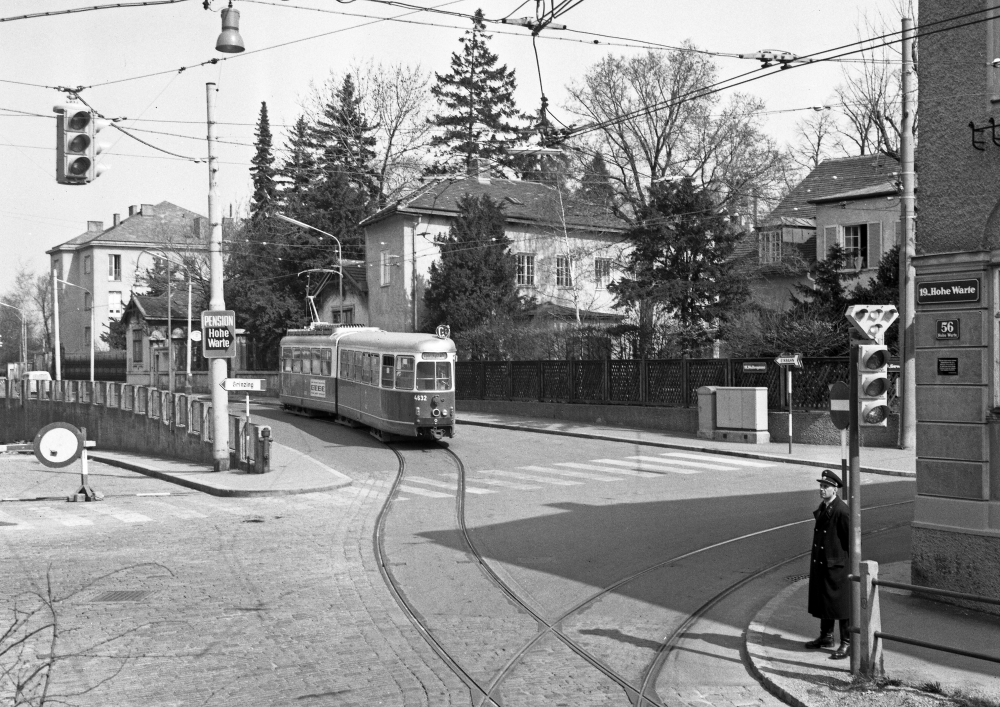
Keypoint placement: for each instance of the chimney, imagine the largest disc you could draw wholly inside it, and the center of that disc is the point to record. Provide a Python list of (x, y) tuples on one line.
[(198, 227), (479, 170), (134, 210), (95, 226), (117, 219), (148, 210)]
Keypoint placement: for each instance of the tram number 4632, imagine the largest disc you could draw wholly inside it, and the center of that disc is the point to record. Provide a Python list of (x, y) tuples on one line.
[(420, 397)]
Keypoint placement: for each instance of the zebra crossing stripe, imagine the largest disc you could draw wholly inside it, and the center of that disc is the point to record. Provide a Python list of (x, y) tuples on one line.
[(423, 492), (508, 484), (66, 519), (577, 474), (446, 485), (607, 470), (526, 477), (684, 462), (705, 457), (639, 466), (121, 514), (183, 513)]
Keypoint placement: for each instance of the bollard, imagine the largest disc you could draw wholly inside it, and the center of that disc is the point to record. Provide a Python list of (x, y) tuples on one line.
[(871, 622), (262, 460)]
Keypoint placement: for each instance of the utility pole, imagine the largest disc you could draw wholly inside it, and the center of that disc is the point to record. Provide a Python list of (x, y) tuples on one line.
[(220, 398), (907, 389)]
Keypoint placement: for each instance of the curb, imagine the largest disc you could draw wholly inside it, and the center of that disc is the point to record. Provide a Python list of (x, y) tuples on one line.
[(689, 447), (755, 638), (206, 488)]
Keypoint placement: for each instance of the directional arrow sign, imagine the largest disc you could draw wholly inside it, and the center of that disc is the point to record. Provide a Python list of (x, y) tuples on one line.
[(840, 405), (789, 360), (240, 385)]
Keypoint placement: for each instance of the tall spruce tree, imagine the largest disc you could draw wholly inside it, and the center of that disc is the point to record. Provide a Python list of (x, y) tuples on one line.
[(478, 114), (265, 189), (681, 262), (344, 135), (475, 278), (299, 168)]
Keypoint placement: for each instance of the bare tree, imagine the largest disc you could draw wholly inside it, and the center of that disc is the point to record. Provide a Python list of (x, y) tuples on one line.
[(816, 139), (653, 120)]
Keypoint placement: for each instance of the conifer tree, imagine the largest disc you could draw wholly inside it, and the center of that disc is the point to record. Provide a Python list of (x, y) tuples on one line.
[(299, 168), (344, 135), (475, 278), (478, 112), (265, 190)]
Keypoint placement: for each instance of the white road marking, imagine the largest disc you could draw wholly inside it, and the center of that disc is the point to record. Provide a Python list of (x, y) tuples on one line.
[(607, 470), (525, 477), (684, 462), (577, 474), (174, 510), (218, 506), (121, 514), (446, 485), (508, 484), (423, 492), (67, 519), (639, 466), (706, 457)]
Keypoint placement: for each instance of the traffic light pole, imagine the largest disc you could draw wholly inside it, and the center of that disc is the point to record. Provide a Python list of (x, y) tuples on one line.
[(854, 486), (220, 398)]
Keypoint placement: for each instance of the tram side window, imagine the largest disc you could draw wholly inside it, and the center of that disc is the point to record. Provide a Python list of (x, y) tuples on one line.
[(366, 368), (317, 359), (327, 362), (356, 366), (286, 359), (404, 372), (296, 360), (345, 364), (388, 371), (434, 375)]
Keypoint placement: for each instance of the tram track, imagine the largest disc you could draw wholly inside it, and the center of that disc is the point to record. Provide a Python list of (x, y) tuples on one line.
[(640, 693)]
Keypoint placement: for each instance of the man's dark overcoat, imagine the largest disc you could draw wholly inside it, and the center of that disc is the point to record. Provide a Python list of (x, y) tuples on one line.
[(829, 567)]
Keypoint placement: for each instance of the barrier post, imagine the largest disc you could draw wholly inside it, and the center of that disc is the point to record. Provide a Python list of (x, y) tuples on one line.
[(871, 622)]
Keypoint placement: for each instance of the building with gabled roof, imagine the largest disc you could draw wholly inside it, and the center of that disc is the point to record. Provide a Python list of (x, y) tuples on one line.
[(566, 250), (101, 265)]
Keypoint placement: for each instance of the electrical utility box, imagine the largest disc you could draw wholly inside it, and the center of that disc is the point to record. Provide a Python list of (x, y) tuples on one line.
[(741, 415)]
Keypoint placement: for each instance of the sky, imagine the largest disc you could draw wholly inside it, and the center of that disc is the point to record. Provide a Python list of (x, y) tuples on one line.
[(143, 64)]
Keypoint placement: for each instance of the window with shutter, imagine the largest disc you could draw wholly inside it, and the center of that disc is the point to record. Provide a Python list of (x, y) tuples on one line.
[(875, 248), (831, 237)]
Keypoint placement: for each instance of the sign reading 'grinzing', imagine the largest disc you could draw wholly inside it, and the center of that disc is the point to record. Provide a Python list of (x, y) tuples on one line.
[(948, 291)]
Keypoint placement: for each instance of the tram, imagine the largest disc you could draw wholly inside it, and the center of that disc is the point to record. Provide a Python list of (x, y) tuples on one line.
[(395, 384)]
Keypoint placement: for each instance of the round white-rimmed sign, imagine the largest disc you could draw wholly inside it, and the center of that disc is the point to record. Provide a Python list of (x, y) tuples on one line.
[(58, 445)]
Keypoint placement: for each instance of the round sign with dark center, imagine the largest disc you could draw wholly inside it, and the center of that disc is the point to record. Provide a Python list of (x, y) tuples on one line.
[(58, 445)]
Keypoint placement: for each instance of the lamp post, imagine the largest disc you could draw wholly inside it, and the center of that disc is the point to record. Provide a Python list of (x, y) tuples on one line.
[(187, 271), (340, 255), (93, 323), (24, 337)]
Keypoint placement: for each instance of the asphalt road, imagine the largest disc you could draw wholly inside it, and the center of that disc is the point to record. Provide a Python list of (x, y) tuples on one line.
[(281, 601)]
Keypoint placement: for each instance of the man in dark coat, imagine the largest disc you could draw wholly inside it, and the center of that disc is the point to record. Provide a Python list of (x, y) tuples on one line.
[(829, 567)]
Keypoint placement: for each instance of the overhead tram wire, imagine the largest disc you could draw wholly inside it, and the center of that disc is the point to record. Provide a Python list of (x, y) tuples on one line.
[(73, 10)]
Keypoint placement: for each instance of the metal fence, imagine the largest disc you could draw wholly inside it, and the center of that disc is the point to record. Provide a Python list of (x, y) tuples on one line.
[(663, 382)]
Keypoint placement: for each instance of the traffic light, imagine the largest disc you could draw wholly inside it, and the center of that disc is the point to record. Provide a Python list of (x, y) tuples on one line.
[(872, 320), (76, 144), (873, 385)]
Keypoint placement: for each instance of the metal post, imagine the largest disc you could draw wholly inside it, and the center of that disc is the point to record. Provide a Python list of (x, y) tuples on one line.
[(871, 621), (24, 344), (187, 378), (57, 354), (843, 463), (220, 398), (855, 505), (93, 334), (907, 336), (789, 383), (170, 330)]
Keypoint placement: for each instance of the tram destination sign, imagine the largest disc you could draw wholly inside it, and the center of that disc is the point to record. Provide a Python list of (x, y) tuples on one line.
[(946, 291), (218, 327)]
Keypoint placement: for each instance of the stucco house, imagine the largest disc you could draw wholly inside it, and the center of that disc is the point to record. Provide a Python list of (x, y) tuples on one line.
[(850, 201), (101, 265), (566, 251), (146, 323)]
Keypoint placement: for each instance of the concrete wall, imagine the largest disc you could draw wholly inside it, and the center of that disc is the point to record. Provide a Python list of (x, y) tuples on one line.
[(807, 427), (110, 426)]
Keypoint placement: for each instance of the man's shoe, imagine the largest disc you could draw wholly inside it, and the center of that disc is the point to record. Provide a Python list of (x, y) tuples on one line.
[(843, 651), (824, 641)]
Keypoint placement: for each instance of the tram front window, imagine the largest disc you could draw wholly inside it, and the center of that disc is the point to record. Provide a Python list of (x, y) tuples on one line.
[(433, 375)]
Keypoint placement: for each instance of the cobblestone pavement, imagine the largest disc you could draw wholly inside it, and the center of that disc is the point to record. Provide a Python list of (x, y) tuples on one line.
[(234, 601)]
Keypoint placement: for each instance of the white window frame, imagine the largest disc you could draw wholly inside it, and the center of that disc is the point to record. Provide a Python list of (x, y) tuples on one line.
[(769, 246), (385, 273), (602, 273), (115, 311), (564, 271), (857, 232), (525, 270), (114, 267)]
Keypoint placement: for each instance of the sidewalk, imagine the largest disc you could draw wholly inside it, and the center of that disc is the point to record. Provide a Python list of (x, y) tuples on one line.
[(804, 677), (874, 460), (292, 472)]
